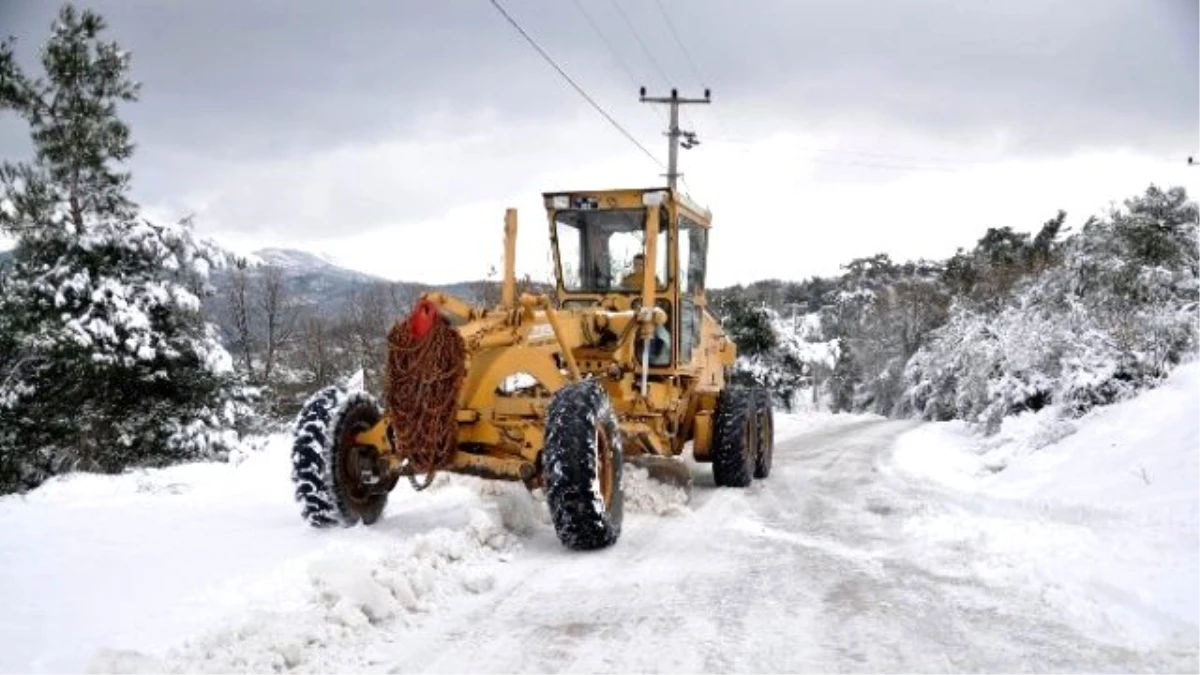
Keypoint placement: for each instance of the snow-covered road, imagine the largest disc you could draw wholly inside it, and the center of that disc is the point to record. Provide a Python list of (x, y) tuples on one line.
[(813, 569), (829, 565)]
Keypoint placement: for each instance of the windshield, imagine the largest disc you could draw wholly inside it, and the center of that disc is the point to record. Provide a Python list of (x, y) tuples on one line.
[(601, 250)]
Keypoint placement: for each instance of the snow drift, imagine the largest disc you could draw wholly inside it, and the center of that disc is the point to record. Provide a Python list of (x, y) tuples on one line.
[(1103, 511), (211, 562)]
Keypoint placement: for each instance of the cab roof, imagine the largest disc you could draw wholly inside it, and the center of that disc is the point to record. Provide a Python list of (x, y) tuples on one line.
[(632, 198)]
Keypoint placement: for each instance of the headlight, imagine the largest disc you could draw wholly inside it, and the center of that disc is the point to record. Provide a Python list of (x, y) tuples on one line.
[(560, 202)]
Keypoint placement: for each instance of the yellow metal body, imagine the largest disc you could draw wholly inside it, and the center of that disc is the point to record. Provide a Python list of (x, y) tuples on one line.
[(522, 351)]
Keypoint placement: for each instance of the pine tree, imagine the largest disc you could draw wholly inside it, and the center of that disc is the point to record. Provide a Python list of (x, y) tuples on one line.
[(105, 358)]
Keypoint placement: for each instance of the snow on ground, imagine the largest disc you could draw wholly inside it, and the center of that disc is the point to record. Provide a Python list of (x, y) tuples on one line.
[(849, 557), (790, 426), (98, 571), (1102, 512)]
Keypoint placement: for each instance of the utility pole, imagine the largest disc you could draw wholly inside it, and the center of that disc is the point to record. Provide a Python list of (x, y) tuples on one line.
[(690, 141)]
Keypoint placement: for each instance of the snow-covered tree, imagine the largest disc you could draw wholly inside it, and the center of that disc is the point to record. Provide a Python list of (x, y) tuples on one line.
[(105, 359), (1112, 316), (748, 323), (880, 315)]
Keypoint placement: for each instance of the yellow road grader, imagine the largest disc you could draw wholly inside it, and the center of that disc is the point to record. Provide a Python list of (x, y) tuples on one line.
[(623, 362)]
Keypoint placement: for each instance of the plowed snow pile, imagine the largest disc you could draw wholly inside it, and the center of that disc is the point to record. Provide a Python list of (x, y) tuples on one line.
[(354, 595), (365, 594), (1103, 511), (646, 495), (104, 572)]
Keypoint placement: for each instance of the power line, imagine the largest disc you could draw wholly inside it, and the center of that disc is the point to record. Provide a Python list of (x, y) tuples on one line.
[(616, 55), (584, 94), (700, 81), (642, 44), (671, 26)]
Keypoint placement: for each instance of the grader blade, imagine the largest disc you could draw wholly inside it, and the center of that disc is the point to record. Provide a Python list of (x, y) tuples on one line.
[(666, 470)]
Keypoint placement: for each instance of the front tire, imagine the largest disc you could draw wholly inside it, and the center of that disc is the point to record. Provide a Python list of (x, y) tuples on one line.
[(581, 467), (326, 486), (766, 434), (735, 437)]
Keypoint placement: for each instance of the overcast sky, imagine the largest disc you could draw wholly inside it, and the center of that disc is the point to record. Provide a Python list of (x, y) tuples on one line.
[(391, 135)]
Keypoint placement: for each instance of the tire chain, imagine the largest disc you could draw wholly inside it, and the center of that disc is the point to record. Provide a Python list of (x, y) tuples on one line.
[(423, 380)]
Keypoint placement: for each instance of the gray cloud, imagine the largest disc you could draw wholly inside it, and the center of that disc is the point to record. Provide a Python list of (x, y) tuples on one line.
[(275, 76), (268, 77), (1055, 74), (245, 100)]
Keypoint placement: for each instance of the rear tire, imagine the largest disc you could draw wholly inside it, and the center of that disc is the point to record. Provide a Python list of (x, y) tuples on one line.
[(322, 433), (581, 467), (734, 437), (766, 434)]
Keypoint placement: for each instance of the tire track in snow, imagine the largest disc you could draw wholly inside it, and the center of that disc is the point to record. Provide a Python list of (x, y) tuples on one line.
[(813, 569), (816, 568)]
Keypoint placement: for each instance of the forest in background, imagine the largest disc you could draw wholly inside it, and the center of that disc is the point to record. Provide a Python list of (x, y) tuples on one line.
[(1018, 322)]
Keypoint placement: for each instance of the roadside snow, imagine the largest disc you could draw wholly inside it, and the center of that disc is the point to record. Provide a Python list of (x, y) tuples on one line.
[(831, 564), (352, 594), (1103, 511), (103, 571)]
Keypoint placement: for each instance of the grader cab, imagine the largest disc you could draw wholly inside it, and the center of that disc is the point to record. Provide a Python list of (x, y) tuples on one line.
[(624, 362)]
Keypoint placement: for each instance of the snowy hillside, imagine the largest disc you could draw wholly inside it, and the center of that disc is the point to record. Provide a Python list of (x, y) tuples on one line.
[(291, 259), (310, 279), (1103, 512)]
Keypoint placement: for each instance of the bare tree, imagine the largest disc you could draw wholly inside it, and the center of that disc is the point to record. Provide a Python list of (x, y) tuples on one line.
[(368, 315), (237, 307), (317, 353), (281, 314)]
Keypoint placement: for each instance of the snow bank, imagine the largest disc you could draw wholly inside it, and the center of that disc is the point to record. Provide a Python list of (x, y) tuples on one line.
[(141, 561), (209, 566), (1102, 511), (1136, 453), (355, 595)]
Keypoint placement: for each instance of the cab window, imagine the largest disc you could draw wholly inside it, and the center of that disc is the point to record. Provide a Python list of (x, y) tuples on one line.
[(602, 250)]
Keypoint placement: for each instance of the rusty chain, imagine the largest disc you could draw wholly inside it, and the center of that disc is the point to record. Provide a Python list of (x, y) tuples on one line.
[(424, 375)]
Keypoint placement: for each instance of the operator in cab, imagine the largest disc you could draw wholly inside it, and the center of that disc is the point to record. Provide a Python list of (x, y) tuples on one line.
[(633, 280)]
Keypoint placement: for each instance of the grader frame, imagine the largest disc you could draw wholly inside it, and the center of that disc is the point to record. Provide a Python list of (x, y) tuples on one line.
[(531, 350)]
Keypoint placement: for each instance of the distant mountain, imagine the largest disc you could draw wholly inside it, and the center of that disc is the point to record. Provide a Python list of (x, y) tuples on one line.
[(305, 262), (316, 281), (326, 287), (321, 284)]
